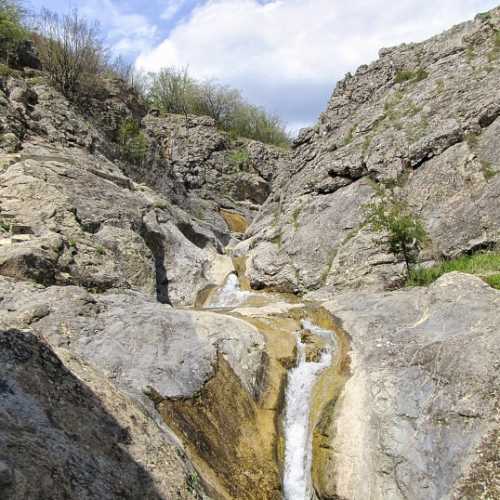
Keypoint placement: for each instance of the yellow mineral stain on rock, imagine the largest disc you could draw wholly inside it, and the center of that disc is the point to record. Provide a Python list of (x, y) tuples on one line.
[(236, 222), (236, 439), (240, 265), (229, 436)]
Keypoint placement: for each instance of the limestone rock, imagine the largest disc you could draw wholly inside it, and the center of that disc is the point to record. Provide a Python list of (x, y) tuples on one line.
[(66, 432), (423, 393), (423, 119)]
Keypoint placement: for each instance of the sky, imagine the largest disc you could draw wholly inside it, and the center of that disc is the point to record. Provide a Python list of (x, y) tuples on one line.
[(284, 55)]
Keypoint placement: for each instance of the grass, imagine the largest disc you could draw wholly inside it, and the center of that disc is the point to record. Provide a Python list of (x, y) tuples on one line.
[(295, 218), (162, 205), (493, 281), (470, 54), (493, 54), (100, 250), (440, 86), (350, 135), (472, 139), (6, 71), (486, 265)]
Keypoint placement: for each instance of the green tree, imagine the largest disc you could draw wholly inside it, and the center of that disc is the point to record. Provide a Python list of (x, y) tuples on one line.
[(406, 233), (133, 143), (12, 31), (172, 91), (175, 91)]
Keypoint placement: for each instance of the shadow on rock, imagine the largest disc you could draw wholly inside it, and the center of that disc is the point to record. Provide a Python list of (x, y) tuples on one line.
[(56, 438)]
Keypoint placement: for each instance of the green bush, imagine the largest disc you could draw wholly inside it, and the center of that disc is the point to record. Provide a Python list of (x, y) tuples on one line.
[(240, 159), (405, 75), (406, 234), (133, 143), (12, 31), (481, 264), (420, 75), (174, 91), (488, 170)]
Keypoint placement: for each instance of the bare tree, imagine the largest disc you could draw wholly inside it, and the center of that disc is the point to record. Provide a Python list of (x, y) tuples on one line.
[(173, 91), (71, 51)]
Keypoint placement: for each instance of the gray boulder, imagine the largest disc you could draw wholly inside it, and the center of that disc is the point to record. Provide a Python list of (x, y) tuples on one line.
[(417, 414)]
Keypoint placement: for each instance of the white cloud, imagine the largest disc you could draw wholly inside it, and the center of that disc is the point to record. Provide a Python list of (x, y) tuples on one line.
[(127, 33), (173, 7), (282, 49)]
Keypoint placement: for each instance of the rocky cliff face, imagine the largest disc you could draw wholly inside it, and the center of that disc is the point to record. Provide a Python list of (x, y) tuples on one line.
[(423, 120), (114, 383)]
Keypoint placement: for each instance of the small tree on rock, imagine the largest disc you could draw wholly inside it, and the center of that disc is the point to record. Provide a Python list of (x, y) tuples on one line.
[(406, 233)]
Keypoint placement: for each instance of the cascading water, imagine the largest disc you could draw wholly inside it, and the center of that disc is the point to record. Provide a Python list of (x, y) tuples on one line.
[(230, 295), (298, 440), (297, 484)]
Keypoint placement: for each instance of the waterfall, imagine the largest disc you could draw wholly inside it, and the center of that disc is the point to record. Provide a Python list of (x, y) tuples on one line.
[(298, 439), (230, 295)]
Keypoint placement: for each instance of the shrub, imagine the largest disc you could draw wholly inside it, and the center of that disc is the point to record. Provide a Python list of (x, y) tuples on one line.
[(406, 234), (405, 75), (132, 141), (240, 159), (488, 171), (12, 31), (420, 75), (481, 264), (174, 91), (71, 51)]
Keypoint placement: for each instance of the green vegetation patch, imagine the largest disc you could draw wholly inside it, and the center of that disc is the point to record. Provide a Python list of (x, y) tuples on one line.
[(406, 234), (488, 170), (240, 159), (173, 90), (12, 31), (495, 51), (350, 135), (486, 265), (133, 143), (407, 75)]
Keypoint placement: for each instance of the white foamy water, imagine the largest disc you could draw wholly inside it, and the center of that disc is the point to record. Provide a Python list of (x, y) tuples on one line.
[(230, 295), (298, 439)]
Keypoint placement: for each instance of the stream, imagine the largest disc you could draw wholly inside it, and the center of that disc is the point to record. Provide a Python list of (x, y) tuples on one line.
[(315, 348)]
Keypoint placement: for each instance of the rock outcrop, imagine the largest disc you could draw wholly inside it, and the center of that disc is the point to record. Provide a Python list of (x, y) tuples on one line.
[(420, 408), (115, 383), (423, 121), (67, 432)]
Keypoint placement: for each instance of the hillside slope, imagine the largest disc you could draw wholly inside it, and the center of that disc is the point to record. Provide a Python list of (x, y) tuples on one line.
[(422, 121)]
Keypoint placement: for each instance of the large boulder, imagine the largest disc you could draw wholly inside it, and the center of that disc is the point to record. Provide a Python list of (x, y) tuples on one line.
[(67, 432), (419, 414)]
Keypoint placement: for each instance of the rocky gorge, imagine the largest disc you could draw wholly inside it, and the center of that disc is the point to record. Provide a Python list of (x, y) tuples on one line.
[(219, 321)]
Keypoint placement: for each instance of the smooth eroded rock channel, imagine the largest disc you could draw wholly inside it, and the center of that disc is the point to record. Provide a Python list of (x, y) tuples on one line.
[(262, 443)]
